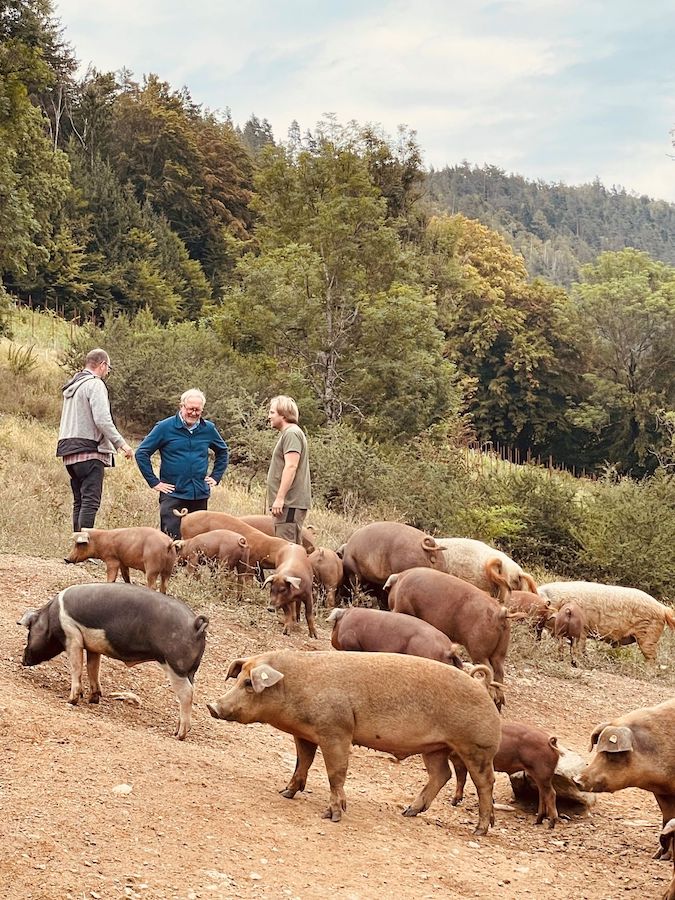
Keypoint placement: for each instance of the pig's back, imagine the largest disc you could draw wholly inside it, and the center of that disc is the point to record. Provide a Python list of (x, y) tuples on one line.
[(399, 703)]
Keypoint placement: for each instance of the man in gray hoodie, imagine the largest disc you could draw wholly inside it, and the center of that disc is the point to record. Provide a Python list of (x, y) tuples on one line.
[(88, 438)]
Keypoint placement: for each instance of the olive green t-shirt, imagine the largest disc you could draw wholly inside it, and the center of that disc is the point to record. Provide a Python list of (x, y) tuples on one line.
[(292, 439)]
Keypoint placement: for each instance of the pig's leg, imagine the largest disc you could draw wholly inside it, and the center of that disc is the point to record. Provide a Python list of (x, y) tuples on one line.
[(74, 651), (184, 690), (330, 598), (112, 567), (125, 573), (151, 579), (667, 806), (289, 615), (438, 768), (460, 776), (93, 667), (547, 808), (309, 615), (648, 644), (483, 777), (336, 758), (305, 753)]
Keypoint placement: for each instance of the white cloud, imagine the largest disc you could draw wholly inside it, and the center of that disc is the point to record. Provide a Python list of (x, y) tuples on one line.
[(547, 88)]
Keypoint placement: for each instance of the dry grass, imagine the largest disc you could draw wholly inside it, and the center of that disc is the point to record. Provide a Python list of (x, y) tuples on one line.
[(35, 510)]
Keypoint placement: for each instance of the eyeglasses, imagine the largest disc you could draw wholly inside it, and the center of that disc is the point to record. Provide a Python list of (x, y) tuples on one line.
[(196, 410)]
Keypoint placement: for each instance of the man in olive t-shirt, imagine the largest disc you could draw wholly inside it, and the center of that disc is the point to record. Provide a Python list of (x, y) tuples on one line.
[(289, 492)]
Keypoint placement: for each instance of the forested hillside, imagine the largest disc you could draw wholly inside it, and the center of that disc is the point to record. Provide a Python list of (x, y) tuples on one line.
[(330, 265), (556, 227)]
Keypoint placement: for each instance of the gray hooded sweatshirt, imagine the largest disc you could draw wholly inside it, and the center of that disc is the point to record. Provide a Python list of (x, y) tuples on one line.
[(86, 421)]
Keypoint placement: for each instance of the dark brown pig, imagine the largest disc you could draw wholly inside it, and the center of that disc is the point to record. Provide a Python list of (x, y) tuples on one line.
[(403, 705), (378, 631), (523, 748), (227, 549), (291, 586), (147, 549), (463, 612), (636, 750), (569, 626), (667, 839), (125, 622), (328, 571), (376, 551), (266, 525)]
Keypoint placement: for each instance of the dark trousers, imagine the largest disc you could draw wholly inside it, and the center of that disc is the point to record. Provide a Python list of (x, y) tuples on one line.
[(168, 521), (86, 483)]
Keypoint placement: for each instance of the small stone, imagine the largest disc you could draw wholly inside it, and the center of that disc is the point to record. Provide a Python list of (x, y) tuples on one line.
[(254, 876), (122, 789)]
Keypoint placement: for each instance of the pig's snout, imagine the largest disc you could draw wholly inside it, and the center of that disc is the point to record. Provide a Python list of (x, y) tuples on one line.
[(213, 709)]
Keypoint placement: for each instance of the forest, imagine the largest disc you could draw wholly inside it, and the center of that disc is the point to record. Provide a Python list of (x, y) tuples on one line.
[(403, 307)]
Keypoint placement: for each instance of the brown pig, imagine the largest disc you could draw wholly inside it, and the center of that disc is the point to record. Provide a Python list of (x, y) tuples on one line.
[(226, 548), (537, 609), (403, 705), (523, 748), (291, 586), (147, 549), (636, 750), (263, 548), (376, 551), (266, 525), (378, 631), (328, 570), (461, 611), (569, 625)]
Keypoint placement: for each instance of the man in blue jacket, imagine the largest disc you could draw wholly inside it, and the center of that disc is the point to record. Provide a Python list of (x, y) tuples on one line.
[(183, 441)]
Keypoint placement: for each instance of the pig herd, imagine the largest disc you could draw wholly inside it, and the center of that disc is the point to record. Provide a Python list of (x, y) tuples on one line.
[(399, 685)]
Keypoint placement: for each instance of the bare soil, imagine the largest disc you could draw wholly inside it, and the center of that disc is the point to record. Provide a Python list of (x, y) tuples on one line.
[(102, 802)]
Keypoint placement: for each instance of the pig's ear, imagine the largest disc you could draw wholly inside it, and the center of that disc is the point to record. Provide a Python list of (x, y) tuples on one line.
[(596, 734), (293, 581), (28, 618), (615, 740), (81, 537), (264, 676), (235, 668)]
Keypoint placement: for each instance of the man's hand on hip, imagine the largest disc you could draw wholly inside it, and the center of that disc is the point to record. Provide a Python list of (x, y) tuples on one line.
[(164, 487)]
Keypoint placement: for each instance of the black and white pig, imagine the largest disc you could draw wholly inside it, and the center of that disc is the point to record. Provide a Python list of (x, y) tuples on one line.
[(124, 621)]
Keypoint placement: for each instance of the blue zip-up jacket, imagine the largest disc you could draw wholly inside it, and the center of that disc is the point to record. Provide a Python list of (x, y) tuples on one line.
[(184, 456)]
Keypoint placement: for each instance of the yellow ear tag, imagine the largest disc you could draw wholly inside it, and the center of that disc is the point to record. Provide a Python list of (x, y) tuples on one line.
[(264, 676), (613, 739)]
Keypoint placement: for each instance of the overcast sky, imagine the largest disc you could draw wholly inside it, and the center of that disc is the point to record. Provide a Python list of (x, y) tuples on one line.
[(561, 90)]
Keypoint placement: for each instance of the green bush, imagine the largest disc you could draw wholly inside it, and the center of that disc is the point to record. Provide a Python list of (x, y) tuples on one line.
[(628, 534), (550, 513)]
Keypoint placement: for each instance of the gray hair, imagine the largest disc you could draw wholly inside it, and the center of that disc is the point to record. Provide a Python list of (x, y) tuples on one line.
[(192, 392), (286, 407)]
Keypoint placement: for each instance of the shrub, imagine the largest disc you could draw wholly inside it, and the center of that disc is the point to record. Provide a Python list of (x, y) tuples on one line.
[(628, 534)]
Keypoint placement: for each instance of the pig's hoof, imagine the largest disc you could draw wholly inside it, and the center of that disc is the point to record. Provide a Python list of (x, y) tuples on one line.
[(288, 793), (333, 814), (480, 829), (73, 700), (409, 811), (95, 698), (456, 801)]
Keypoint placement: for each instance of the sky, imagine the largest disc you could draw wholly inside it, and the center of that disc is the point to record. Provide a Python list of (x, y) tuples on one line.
[(558, 90)]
